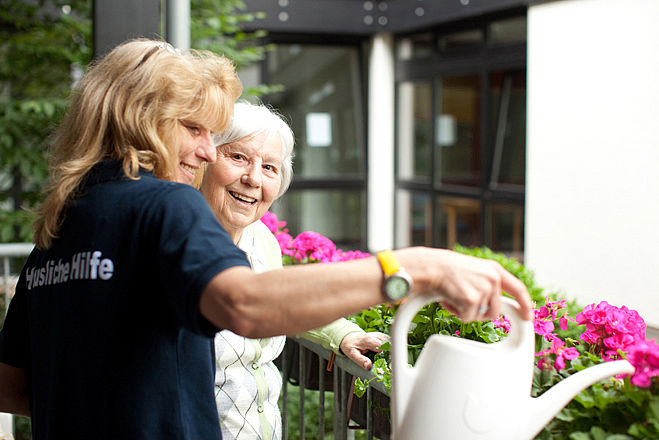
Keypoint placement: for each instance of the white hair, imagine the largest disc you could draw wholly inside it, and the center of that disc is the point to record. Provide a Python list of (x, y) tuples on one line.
[(253, 118)]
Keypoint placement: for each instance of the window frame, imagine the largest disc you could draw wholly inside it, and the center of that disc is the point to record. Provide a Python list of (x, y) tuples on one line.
[(481, 60), (360, 184)]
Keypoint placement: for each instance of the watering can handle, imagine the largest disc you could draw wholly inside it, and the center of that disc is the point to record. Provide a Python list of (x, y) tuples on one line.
[(402, 373), (411, 307)]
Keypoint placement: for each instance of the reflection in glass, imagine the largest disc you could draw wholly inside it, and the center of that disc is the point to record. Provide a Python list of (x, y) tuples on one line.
[(415, 46), (413, 219), (507, 228), (510, 30), (508, 127), (457, 131), (337, 214), (471, 38), (319, 129), (459, 221), (414, 129), (321, 80)]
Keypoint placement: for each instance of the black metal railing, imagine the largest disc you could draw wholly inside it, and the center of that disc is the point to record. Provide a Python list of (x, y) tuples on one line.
[(312, 367), (11, 255)]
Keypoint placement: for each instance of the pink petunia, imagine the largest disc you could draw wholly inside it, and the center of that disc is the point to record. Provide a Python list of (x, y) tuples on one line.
[(284, 239), (644, 356), (560, 352), (502, 323), (270, 220), (543, 327)]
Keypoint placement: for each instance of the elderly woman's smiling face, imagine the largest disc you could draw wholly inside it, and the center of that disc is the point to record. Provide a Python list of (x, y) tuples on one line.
[(244, 181)]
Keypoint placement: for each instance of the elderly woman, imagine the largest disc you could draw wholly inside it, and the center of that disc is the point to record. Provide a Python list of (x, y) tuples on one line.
[(252, 170)]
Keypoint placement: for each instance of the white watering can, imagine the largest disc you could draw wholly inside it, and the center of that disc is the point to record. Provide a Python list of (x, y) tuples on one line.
[(469, 390)]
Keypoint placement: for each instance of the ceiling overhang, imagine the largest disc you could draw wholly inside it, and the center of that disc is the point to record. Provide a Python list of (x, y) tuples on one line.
[(367, 17)]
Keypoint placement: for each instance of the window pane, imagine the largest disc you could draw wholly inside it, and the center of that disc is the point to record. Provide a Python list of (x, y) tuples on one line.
[(414, 129), (507, 229), (416, 46), (459, 221), (508, 128), (337, 214), (413, 219), (511, 30), (322, 99), (460, 40), (457, 131)]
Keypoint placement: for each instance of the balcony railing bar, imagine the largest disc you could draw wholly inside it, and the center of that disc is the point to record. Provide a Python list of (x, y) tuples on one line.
[(344, 372), (7, 252)]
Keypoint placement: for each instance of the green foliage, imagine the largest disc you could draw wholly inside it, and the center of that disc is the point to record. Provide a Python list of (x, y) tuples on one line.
[(215, 25), (612, 409), (42, 42), (44, 46), (511, 265), (431, 319), (311, 403)]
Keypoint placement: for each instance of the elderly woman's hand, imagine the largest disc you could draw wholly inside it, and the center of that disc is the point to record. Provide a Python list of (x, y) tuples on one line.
[(356, 344)]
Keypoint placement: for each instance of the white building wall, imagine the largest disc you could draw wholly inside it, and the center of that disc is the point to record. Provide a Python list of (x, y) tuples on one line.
[(592, 195)]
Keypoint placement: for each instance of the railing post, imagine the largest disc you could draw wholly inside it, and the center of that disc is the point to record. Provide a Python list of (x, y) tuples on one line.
[(321, 398), (303, 378), (5, 276), (369, 414), (284, 393), (343, 370), (7, 251)]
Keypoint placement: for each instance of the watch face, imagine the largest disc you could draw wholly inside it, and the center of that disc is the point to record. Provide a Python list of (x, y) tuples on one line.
[(397, 287)]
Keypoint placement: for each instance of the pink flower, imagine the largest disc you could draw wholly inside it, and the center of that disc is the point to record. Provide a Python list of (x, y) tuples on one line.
[(610, 328), (547, 314), (311, 245), (503, 323), (284, 239), (560, 352), (270, 220), (543, 327), (644, 356), (351, 255), (541, 313), (307, 247)]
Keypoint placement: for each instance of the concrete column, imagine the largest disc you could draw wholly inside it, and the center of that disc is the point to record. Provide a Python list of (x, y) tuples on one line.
[(6, 424), (381, 143), (178, 23)]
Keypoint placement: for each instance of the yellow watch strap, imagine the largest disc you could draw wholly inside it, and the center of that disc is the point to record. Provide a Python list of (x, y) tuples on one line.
[(389, 262)]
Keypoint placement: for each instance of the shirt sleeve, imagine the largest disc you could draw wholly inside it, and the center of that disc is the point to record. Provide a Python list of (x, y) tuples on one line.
[(266, 249), (191, 247), (14, 342), (331, 335)]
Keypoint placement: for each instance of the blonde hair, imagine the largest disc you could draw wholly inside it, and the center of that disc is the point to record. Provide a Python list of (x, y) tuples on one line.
[(127, 107), (249, 119)]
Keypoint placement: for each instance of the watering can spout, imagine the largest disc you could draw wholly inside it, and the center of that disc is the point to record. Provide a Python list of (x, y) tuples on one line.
[(545, 407)]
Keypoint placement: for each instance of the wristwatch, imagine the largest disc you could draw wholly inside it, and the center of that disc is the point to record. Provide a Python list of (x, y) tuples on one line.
[(397, 283)]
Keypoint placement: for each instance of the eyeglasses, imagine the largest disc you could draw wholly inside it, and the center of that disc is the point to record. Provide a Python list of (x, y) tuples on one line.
[(162, 45)]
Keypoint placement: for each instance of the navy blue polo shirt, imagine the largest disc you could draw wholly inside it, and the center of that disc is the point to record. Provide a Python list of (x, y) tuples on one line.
[(107, 321)]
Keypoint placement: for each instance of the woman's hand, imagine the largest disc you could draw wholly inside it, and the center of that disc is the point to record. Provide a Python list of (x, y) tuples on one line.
[(469, 287), (354, 345)]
